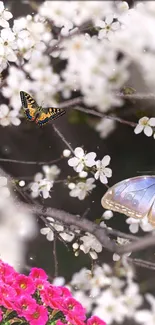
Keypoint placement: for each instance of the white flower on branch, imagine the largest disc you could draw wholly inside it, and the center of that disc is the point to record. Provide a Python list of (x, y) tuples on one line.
[(102, 170), (90, 245), (82, 189), (81, 160), (145, 124), (135, 224), (8, 117), (5, 15), (67, 236), (108, 27), (41, 186)]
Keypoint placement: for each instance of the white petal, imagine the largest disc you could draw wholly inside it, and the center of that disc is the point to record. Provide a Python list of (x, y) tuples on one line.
[(97, 174), (102, 33), (103, 179), (148, 131), (79, 168), (44, 231), (108, 172), (106, 160), (79, 152), (50, 235), (16, 121), (73, 162), (115, 26), (4, 23), (7, 15), (134, 228), (139, 128), (116, 257), (89, 159), (109, 19), (152, 121)]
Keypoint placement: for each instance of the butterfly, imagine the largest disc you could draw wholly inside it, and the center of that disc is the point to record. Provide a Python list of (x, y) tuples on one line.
[(135, 197), (36, 113)]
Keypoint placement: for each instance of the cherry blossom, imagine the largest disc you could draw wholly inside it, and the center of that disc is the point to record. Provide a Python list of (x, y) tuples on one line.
[(102, 170), (5, 15), (108, 27), (8, 117), (51, 172), (82, 189), (145, 124), (81, 160), (42, 186)]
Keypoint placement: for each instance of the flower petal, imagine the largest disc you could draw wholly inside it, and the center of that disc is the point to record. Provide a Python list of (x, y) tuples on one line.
[(106, 160), (148, 131), (73, 162), (108, 172), (138, 129), (152, 121), (79, 153)]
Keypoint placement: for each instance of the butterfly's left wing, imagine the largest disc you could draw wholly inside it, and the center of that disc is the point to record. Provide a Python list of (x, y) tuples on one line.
[(29, 105), (47, 114), (134, 197)]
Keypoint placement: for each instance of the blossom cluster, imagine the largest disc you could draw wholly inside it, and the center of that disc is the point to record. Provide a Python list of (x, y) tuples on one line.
[(34, 300), (146, 125), (111, 297), (84, 163)]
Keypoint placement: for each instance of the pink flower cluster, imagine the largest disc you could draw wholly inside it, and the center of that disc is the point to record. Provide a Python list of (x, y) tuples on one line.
[(34, 300)]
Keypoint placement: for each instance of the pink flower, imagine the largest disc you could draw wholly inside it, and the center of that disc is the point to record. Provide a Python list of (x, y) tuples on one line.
[(74, 320), (50, 293), (38, 317), (24, 285), (6, 270), (41, 284), (24, 305), (65, 292), (73, 307), (7, 295), (37, 273), (94, 320)]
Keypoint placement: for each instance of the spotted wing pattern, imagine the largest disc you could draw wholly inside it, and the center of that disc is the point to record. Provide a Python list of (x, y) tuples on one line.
[(134, 197), (29, 105), (48, 113)]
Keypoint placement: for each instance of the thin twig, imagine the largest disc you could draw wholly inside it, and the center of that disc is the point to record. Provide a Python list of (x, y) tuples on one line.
[(78, 101), (63, 138), (142, 263), (31, 162)]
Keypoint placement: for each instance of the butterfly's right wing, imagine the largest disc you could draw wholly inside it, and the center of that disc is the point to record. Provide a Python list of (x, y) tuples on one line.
[(29, 105), (47, 114)]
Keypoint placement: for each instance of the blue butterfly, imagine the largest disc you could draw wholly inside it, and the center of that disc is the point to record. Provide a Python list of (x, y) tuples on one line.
[(135, 197)]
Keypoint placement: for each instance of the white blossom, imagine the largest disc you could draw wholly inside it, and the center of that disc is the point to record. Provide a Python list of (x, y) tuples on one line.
[(5, 15), (66, 153), (51, 172), (81, 160), (8, 117), (82, 189), (41, 186), (90, 244), (145, 124), (108, 27), (102, 170), (105, 127), (142, 223), (146, 316), (49, 232), (108, 214)]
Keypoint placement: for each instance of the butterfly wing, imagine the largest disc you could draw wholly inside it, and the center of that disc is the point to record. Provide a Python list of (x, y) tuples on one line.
[(134, 197), (49, 113), (29, 105)]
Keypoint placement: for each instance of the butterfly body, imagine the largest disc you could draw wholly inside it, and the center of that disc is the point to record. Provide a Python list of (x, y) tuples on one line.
[(36, 113), (134, 197)]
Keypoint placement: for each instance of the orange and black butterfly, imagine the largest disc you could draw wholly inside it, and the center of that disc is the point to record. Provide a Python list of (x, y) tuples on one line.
[(40, 115)]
